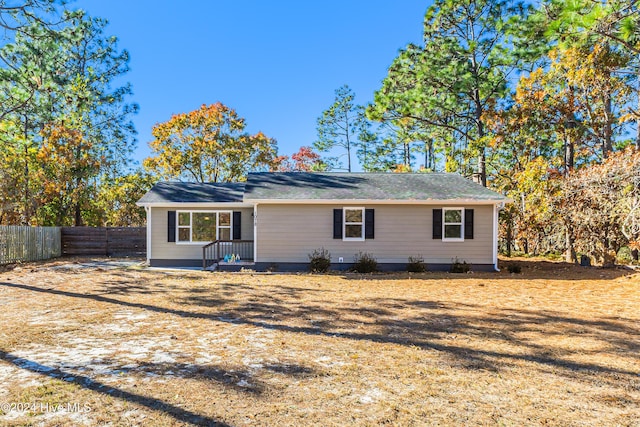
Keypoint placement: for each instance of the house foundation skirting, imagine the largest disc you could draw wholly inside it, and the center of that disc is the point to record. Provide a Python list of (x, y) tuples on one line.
[(302, 266), (175, 262), (298, 266)]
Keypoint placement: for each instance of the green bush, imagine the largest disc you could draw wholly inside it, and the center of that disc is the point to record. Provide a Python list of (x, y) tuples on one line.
[(319, 261), (514, 268), (416, 264), (365, 263), (625, 256), (272, 268), (459, 267)]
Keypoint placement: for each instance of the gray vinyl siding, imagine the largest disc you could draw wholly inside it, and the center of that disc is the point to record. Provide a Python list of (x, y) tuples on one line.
[(288, 233), (162, 249)]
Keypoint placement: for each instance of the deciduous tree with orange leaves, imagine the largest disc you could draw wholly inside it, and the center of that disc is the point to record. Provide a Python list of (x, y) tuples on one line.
[(208, 145), (603, 203), (304, 160), (67, 162)]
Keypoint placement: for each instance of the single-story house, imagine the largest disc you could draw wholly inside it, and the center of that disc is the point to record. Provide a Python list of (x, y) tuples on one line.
[(276, 219)]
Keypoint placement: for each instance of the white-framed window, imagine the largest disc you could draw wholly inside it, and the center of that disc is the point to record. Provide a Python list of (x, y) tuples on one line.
[(453, 224), (353, 224), (203, 226)]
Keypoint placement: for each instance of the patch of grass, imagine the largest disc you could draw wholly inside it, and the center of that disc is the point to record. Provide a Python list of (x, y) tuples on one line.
[(554, 256), (51, 392)]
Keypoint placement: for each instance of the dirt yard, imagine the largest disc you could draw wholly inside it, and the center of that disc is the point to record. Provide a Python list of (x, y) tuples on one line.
[(87, 344)]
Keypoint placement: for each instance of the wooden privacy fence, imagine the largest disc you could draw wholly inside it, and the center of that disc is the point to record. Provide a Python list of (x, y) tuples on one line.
[(23, 243), (105, 241)]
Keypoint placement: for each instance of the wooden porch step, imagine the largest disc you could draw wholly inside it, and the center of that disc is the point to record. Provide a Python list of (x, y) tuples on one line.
[(212, 267)]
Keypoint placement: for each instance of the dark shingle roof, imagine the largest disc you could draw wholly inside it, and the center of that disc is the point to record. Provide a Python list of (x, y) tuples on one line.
[(364, 186), (191, 192), (324, 186)]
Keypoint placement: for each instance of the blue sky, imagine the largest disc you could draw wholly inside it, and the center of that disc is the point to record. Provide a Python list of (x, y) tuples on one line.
[(277, 63)]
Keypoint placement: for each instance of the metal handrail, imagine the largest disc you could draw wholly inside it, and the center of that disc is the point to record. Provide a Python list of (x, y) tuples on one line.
[(215, 251), (205, 249)]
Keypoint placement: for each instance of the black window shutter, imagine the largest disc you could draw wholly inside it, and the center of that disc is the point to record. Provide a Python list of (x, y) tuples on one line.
[(337, 223), (171, 226), (468, 223), (437, 223), (369, 223), (237, 225)]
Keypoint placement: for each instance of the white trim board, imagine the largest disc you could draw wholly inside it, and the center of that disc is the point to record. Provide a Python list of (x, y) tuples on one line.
[(494, 245), (188, 205), (344, 202), (147, 210), (361, 202)]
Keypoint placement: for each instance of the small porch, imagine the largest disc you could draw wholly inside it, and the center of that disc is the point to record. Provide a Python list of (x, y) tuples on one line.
[(228, 255)]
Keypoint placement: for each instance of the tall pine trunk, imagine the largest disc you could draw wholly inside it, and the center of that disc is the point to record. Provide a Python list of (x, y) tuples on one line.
[(77, 207), (607, 143), (608, 128), (509, 242), (569, 156), (482, 156), (570, 254), (638, 119), (27, 194), (429, 161)]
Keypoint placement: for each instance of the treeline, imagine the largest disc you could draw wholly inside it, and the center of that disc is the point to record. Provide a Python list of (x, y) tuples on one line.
[(540, 104), (66, 136)]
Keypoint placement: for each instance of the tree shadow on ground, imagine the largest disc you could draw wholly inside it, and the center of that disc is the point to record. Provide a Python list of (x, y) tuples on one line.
[(456, 330), (179, 414)]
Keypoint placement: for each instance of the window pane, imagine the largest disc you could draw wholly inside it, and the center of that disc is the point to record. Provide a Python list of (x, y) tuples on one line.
[(224, 218), (183, 234), (453, 216), (453, 231), (204, 227), (225, 233), (183, 218), (353, 215), (353, 231)]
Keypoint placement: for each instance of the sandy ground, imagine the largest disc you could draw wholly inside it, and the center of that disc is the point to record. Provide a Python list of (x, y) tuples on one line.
[(95, 342)]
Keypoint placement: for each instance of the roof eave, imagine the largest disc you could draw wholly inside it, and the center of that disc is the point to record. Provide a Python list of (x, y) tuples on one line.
[(383, 201), (195, 204)]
